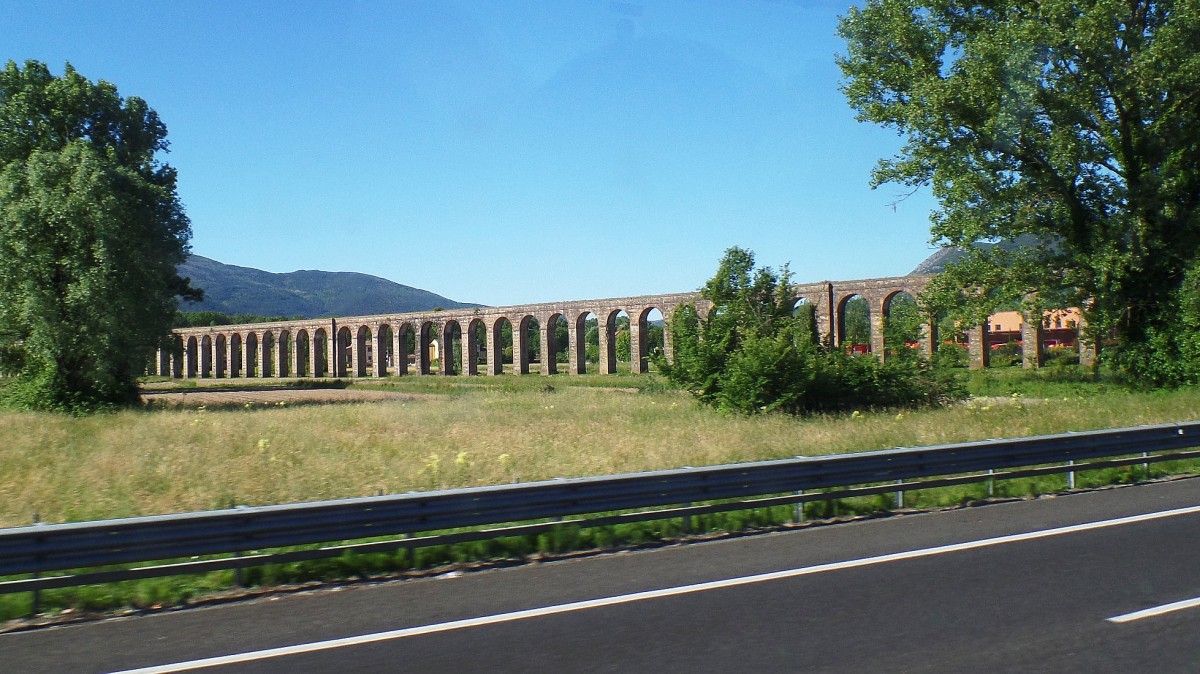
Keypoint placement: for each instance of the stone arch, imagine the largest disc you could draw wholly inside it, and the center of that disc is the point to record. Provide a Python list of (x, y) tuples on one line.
[(221, 355), (320, 353), (343, 342), (404, 346), (901, 324), (427, 346), (250, 346), (550, 348), (853, 334), (451, 351), (302, 354), (283, 354), (805, 311), (475, 341), (237, 366), (189, 358), (206, 356), (645, 338), (608, 326), (267, 353), (525, 340), (496, 345), (361, 352), (384, 356)]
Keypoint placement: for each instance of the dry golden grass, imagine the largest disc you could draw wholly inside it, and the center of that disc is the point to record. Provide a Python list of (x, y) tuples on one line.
[(144, 462)]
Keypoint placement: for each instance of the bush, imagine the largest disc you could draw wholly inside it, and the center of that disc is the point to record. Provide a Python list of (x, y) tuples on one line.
[(750, 355)]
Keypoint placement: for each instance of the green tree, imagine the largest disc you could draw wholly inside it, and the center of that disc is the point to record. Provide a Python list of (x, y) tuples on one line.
[(1071, 124), (750, 354), (91, 234)]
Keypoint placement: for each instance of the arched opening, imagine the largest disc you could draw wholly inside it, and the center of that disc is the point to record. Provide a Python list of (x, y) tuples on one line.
[(283, 355), (805, 313), (451, 352), (252, 368), (221, 356), (190, 358), (303, 365), (500, 346), (343, 352), (556, 344), (901, 324), (648, 340), (236, 367), (384, 350), (527, 348), (206, 356), (428, 350), (854, 325), (320, 353), (608, 350), (360, 357), (404, 348), (267, 368), (475, 347)]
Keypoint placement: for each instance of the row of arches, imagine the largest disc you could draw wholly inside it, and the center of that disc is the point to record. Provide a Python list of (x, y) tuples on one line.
[(578, 341)]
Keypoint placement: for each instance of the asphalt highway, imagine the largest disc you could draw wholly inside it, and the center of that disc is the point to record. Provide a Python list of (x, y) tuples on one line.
[(1049, 585)]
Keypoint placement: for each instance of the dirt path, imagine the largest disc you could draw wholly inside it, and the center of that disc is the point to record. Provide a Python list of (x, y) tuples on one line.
[(268, 397)]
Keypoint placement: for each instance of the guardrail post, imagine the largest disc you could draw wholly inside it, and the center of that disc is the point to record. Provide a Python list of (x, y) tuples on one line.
[(1145, 467), (991, 483), (899, 495), (799, 507), (1071, 475), (36, 604)]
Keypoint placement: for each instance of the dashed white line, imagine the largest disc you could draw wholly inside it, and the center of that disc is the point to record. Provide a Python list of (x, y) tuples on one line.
[(1156, 611), (657, 594)]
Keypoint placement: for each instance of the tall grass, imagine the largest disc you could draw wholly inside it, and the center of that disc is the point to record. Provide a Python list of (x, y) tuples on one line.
[(477, 431)]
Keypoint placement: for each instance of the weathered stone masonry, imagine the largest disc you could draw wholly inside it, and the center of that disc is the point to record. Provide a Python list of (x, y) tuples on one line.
[(377, 346)]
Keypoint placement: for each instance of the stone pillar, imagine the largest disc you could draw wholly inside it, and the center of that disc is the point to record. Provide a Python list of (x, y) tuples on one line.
[(877, 343), (546, 334), (576, 348), (294, 355), (929, 338), (608, 345), (333, 347), (381, 352), (1031, 340), (637, 342), (977, 347), (280, 363), (668, 344), (470, 351), (358, 355), (495, 348), (520, 347), (1089, 350)]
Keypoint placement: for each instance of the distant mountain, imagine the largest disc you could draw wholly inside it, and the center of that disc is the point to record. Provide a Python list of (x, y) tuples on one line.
[(308, 294), (936, 263)]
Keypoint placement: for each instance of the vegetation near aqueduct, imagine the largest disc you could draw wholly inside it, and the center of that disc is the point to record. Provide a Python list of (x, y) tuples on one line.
[(91, 233), (752, 352), (1074, 124), (459, 431)]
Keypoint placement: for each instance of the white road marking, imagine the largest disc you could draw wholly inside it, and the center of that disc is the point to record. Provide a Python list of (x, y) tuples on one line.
[(1156, 611), (650, 594)]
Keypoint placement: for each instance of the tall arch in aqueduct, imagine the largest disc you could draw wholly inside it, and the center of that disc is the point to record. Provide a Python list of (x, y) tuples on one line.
[(348, 347)]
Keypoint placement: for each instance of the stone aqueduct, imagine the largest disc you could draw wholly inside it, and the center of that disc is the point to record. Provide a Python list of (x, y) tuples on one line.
[(346, 347)]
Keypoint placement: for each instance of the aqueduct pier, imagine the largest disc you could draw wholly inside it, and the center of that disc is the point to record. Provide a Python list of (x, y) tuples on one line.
[(391, 344)]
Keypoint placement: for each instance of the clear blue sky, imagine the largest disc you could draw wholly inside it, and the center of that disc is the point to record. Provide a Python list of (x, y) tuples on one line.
[(501, 152)]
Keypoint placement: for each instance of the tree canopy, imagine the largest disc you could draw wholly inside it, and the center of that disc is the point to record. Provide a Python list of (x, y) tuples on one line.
[(751, 353), (91, 234), (1074, 124)]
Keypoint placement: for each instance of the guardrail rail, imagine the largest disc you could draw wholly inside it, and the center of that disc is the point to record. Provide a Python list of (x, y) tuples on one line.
[(519, 509)]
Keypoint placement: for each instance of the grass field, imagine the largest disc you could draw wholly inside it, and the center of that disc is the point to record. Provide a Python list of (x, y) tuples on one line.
[(459, 431)]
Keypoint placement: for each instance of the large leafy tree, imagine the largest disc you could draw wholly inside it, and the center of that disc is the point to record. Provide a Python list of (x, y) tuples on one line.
[(750, 353), (1071, 123), (91, 234)]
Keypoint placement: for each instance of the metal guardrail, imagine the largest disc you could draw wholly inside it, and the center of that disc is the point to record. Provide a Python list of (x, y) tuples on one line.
[(45, 548)]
